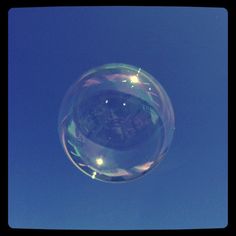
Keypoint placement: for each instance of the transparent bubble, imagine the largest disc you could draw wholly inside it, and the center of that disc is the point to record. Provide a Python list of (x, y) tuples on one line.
[(116, 123)]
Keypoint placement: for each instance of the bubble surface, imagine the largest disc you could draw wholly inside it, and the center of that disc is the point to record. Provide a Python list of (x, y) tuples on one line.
[(116, 123)]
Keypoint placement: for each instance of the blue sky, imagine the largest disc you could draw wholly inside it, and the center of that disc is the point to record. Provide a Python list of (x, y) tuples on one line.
[(185, 49)]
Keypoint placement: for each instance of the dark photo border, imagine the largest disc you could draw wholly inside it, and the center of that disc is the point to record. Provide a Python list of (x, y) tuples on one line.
[(5, 6)]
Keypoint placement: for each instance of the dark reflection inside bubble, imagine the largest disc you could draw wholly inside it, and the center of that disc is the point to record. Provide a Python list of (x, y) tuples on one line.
[(115, 119)]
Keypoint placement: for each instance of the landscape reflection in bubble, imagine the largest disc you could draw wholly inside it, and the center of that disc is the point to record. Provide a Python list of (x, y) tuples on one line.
[(116, 123)]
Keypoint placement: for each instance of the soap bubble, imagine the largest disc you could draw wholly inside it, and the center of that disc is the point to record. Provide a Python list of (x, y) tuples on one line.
[(116, 123)]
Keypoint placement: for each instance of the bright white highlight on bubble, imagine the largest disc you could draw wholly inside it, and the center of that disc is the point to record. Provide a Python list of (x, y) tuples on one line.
[(94, 175), (134, 79), (99, 161)]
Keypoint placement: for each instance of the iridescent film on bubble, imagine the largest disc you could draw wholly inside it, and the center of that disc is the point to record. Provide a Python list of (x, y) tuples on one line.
[(116, 123)]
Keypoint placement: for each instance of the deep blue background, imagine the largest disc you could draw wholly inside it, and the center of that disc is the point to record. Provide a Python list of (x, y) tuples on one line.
[(185, 49)]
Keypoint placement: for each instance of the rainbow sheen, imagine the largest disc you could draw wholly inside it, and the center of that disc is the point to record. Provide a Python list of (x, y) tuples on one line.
[(116, 123)]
